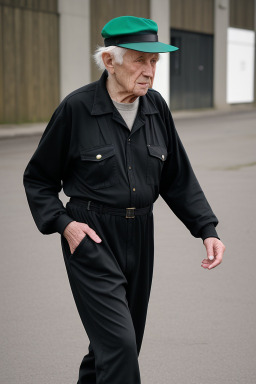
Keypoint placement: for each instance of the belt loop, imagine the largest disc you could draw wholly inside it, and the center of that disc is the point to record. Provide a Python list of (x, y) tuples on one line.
[(88, 205)]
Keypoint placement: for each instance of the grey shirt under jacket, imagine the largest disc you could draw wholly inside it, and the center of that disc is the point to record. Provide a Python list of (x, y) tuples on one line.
[(88, 150), (128, 111)]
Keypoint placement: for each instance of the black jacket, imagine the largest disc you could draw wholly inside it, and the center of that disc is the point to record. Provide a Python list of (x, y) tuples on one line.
[(89, 151)]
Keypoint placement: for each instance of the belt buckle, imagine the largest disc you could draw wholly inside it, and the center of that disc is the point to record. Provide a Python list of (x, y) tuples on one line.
[(130, 213)]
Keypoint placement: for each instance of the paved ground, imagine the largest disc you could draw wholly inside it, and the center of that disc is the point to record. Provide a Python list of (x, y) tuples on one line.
[(201, 324)]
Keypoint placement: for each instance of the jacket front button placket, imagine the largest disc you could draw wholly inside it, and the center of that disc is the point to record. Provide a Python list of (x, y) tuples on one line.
[(130, 173)]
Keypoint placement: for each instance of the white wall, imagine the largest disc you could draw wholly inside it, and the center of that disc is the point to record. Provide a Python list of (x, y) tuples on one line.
[(74, 44), (159, 12), (240, 66)]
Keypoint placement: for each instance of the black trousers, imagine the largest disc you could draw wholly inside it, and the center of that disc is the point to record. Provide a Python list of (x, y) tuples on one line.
[(111, 284)]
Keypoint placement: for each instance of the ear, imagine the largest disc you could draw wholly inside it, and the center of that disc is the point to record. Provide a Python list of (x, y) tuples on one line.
[(108, 61)]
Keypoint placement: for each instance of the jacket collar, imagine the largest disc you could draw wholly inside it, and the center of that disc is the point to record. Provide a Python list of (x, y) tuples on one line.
[(102, 103)]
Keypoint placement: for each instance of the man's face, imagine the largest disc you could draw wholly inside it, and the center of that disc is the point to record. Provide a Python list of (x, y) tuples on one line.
[(136, 75)]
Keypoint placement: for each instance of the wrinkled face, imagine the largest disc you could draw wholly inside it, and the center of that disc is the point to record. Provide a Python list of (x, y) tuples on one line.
[(136, 75)]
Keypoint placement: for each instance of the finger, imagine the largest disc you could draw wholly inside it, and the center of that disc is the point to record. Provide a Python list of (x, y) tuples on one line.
[(217, 261), (93, 235), (210, 252), (74, 244), (214, 264), (206, 263), (209, 245)]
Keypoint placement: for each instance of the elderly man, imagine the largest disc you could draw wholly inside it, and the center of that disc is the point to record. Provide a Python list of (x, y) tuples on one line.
[(113, 147)]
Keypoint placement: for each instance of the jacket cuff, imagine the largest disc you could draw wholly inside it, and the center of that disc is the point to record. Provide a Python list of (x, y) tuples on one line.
[(208, 231), (61, 223)]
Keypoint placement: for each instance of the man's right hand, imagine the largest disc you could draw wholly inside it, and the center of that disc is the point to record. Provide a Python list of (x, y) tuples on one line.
[(75, 232)]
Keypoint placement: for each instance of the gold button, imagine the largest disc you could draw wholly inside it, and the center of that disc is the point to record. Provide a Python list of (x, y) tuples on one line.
[(134, 189), (130, 167), (163, 157), (98, 157)]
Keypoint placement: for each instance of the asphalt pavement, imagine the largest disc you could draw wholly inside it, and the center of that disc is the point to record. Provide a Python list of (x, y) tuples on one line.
[(201, 324)]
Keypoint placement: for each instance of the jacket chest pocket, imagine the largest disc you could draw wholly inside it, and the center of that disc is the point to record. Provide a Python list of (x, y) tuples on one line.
[(157, 155), (99, 166)]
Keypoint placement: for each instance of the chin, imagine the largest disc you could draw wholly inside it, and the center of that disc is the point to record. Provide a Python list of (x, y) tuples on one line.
[(141, 92)]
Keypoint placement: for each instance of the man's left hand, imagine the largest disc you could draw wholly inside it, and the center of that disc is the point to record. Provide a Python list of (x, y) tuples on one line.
[(215, 249)]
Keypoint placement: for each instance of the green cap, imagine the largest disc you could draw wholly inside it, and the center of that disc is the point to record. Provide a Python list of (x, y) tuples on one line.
[(134, 33)]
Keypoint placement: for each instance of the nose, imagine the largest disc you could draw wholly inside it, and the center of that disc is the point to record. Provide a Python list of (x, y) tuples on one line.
[(148, 70)]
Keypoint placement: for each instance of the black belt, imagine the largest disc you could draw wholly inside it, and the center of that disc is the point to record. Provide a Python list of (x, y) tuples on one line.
[(128, 213)]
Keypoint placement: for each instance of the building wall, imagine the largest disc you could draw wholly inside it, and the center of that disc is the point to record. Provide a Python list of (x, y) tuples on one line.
[(192, 15), (242, 14), (240, 59), (104, 10), (74, 23), (29, 65), (30, 44)]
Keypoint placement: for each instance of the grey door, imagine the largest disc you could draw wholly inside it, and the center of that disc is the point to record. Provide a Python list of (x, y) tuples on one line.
[(191, 70)]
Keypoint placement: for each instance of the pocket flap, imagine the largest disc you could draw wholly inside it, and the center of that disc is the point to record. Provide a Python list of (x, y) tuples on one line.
[(97, 153), (157, 151)]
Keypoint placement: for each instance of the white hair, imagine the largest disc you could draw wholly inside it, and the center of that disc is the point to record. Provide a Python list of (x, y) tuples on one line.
[(118, 53)]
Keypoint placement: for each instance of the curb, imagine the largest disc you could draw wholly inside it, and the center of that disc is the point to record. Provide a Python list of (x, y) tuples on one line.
[(8, 131)]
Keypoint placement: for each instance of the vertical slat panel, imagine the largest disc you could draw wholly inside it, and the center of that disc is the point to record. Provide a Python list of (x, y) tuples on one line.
[(198, 15), (36, 5), (21, 3), (53, 65), (208, 21), (43, 5), (29, 4), (1, 68), (104, 10), (35, 109), (192, 71), (47, 69), (18, 63), (192, 15), (21, 79), (6, 2), (9, 64), (242, 14), (29, 62), (24, 48), (53, 6), (42, 63)]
